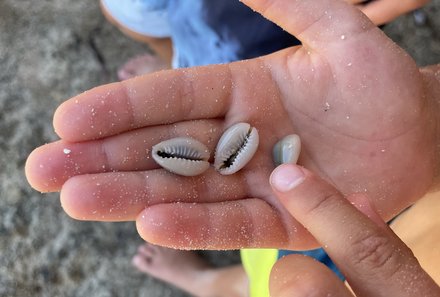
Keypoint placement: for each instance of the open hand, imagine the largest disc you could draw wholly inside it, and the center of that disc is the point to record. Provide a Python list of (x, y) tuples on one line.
[(364, 111)]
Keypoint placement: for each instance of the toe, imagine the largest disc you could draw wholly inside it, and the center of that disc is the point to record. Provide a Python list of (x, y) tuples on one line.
[(146, 250), (142, 263)]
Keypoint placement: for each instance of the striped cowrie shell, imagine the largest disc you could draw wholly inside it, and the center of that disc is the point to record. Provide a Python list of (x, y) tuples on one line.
[(236, 148), (182, 155)]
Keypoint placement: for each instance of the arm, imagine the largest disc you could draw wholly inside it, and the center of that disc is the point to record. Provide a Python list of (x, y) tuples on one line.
[(383, 11)]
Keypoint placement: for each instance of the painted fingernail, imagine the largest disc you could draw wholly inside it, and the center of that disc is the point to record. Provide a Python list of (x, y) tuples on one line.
[(286, 177)]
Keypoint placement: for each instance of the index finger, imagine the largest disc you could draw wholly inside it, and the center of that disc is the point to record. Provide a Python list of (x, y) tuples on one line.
[(159, 98), (373, 259)]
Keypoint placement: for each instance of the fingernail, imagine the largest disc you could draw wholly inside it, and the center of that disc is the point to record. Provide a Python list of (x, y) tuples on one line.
[(286, 177)]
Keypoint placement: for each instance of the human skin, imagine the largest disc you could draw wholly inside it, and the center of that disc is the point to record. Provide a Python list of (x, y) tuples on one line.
[(366, 114), (373, 259), (384, 11), (161, 46)]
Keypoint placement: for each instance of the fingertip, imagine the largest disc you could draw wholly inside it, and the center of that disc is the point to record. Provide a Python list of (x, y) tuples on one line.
[(169, 225), (142, 225), (151, 224), (71, 202), (31, 170), (50, 165), (305, 276), (87, 115), (89, 198), (173, 225), (69, 118), (39, 172), (94, 197), (57, 122), (286, 177)]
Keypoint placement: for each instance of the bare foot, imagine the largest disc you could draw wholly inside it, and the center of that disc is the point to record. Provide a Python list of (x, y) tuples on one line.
[(139, 65), (179, 268), (189, 272)]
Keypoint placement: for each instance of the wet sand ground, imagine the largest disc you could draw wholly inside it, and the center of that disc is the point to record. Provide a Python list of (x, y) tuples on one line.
[(50, 51)]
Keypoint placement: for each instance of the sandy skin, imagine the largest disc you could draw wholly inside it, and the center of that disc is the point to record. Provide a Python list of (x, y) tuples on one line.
[(374, 141), (140, 65), (189, 272)]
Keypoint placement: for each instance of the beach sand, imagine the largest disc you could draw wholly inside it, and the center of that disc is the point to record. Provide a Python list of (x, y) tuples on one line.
[(50, 51)]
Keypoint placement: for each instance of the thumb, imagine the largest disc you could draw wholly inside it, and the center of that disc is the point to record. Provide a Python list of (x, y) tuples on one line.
[(314, 22)]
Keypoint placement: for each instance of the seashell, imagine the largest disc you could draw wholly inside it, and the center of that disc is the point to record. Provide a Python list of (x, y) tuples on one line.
[(182, 155), (287, 150), (235, 148)]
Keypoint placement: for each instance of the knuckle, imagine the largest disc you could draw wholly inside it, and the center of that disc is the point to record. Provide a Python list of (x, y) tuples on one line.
[(324, 202), (187, 96), (376, 252)]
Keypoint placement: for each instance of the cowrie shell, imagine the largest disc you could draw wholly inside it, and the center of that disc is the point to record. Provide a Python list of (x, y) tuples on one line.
[(182, 155), (236, 148), (287, 150)]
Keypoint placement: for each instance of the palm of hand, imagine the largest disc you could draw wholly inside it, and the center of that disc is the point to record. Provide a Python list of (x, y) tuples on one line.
[(364, 121), (360, 115)]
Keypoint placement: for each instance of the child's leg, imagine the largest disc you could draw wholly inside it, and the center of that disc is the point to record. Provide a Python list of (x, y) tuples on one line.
[(140, 24), (189, 272)]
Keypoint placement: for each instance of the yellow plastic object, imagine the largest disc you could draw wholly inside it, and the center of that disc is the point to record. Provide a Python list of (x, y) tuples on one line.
[(258, 263)]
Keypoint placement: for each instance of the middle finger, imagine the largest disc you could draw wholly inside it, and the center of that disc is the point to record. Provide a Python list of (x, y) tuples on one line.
[(50, 166)]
